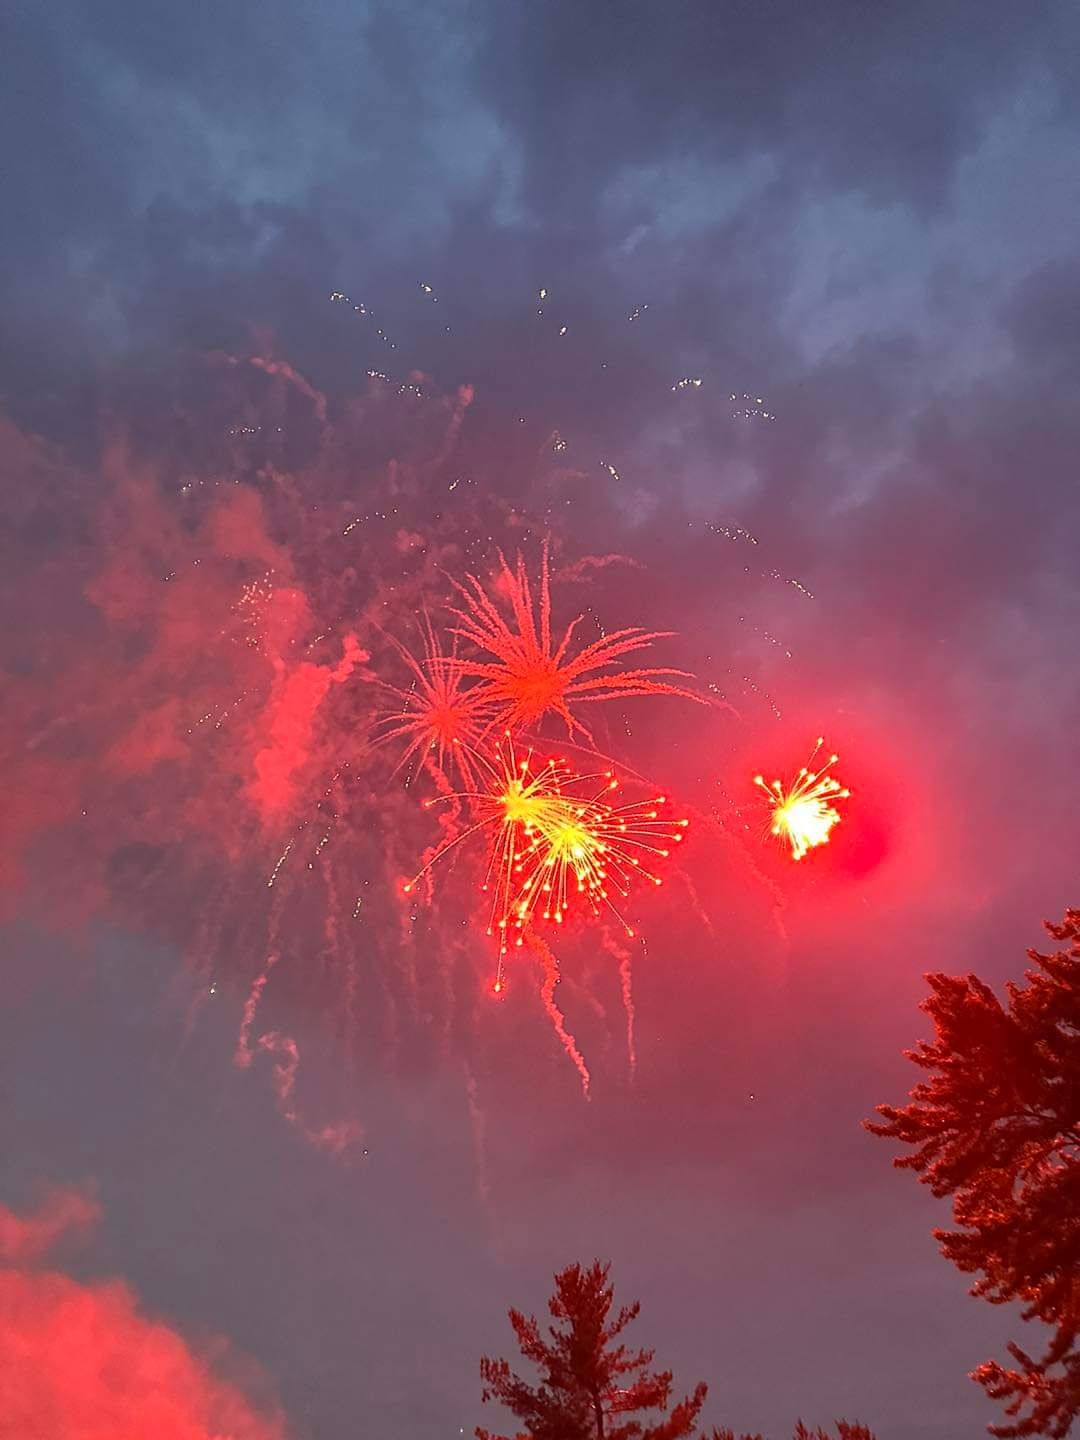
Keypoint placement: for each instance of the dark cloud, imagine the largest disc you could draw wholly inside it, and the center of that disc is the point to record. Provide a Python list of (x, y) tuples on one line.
[(885, 103)]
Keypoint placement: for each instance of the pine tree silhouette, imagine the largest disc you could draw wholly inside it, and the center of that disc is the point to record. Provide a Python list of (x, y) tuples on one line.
[(592, 1388), (997, 1127)]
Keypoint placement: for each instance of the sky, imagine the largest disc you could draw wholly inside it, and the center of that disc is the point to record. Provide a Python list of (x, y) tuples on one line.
[(274, 1153)]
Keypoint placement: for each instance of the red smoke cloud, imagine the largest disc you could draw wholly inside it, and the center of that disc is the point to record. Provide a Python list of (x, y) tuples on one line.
[(289, 721), (62, 1212), (82, 1363)]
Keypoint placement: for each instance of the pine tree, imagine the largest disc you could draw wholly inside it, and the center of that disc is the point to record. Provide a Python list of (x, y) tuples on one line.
[(591, 1388), (997, 1128)]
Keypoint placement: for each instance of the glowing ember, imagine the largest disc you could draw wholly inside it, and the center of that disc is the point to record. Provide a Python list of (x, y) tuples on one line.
[(803, 812), (555, 834), (529, 675)]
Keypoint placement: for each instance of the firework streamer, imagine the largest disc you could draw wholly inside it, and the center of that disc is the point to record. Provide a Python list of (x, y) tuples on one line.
[(622, 956), (695, 903), (779, 899), (713, 821), (284, 1070), (549, 969), (478, 1124), (334, 1138), (244, 1054)]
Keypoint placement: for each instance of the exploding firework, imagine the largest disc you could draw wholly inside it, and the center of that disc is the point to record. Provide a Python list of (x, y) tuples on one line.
[(555, 834), (437, 715), (529, 676), (803, 812)]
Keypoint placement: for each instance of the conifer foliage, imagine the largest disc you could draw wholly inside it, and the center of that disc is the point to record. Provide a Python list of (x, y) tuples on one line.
[(996, 1126), (592, 1388)]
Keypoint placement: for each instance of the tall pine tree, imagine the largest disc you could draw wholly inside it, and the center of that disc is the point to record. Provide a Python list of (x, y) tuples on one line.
[(592, 1388), (996, 1126)]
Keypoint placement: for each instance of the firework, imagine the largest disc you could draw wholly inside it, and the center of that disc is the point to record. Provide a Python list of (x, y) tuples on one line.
[(437, 715), (803, 811), (556, 835), (529, 676)]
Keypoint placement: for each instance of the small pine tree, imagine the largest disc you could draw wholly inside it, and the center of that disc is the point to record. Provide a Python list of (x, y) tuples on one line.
[(591, 1388), (997, 1127)]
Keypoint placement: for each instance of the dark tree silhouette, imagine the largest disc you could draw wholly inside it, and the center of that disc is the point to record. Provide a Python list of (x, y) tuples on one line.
[(592, 1388), (997, 1127)]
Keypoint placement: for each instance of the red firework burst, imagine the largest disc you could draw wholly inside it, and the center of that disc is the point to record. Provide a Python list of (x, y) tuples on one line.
[(529, 676), (438, 714)]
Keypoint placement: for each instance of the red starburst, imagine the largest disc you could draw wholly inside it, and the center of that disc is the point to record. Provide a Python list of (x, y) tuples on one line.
[(529, 676), (438, 715)]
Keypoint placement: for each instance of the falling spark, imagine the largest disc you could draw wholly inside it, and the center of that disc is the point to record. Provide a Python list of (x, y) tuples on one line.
[(637, 312), (751, 408), (789, 580), (340, 298), (610, 470), (687, 382), (281, 861), (732, 532), (767, 636), (802, 811)]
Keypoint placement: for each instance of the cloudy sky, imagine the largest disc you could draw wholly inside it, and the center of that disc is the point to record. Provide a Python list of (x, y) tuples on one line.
[(857, 226)]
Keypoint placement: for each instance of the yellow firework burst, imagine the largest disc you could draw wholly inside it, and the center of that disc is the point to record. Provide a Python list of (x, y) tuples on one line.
[(803, 810)]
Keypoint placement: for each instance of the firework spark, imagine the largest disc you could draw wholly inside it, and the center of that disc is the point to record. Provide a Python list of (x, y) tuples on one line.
[(529, 676), (803, 811), (437, 714), (555, 834)]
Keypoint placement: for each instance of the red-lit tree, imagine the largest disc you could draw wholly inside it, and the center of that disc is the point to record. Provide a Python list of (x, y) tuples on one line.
[(591, 1388), (997, 1127)]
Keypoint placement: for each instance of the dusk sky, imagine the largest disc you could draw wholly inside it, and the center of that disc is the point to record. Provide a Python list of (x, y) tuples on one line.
[(308, 311)]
